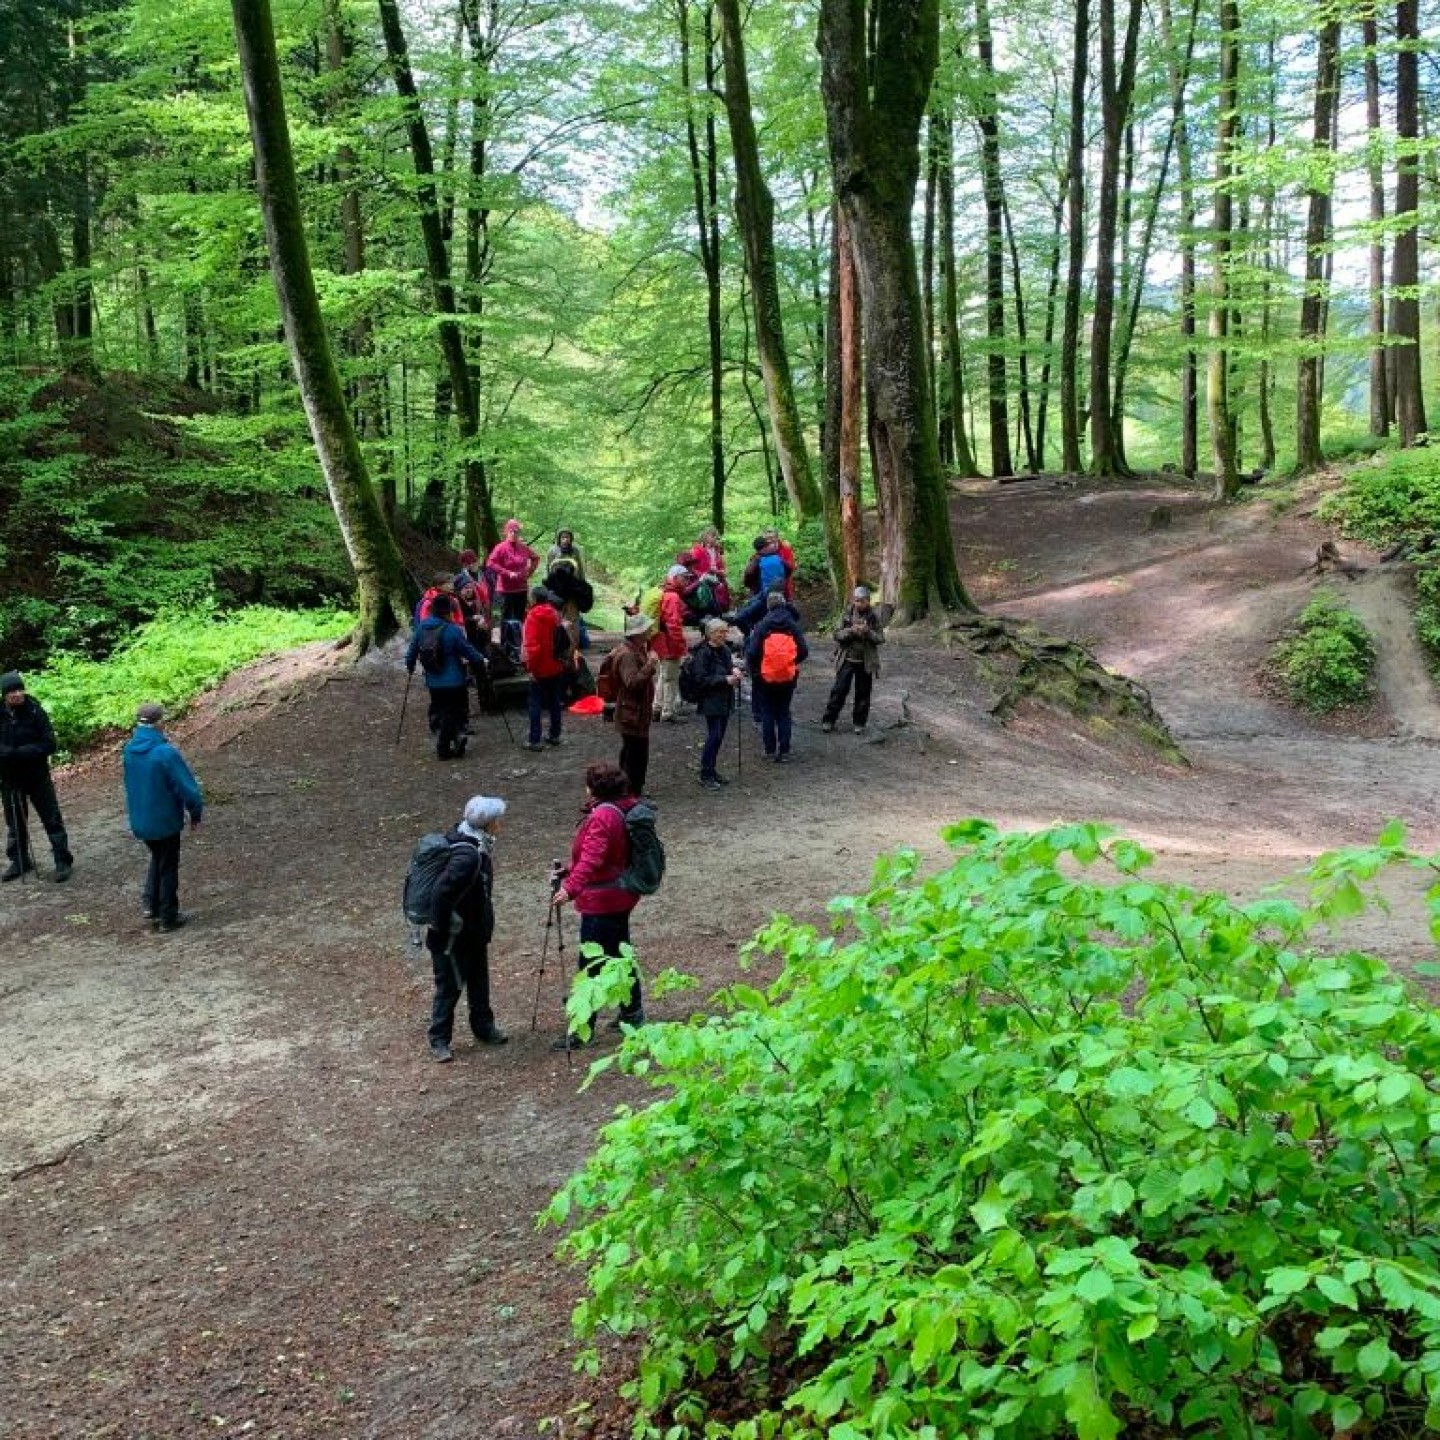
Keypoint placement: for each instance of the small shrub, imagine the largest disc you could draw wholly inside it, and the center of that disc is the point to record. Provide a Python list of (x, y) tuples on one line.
[(1020, 1152), (1326, 661)]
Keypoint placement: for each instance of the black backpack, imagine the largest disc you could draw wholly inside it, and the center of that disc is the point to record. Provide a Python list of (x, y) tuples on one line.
[(427, 864), (690, 691), (430, 652), (561, 645), (646, 869)]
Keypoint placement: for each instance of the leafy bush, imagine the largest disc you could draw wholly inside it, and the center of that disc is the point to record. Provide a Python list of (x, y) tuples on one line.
[(1326, 660), (1025, 1153), (1396, 495), (172, 659)]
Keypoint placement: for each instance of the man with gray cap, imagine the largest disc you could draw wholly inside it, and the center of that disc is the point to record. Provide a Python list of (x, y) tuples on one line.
[(27, 741), (462, 922), (632, 665), (858, 637), (159, 792)]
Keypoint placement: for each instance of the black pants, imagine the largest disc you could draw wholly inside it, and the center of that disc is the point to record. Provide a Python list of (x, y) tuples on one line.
[(775, 725), (864, 681), (161, 896), (546, 696), (468, 966), (449, 710), (38, 789), (513, 605), (610, 932), (635, 760)]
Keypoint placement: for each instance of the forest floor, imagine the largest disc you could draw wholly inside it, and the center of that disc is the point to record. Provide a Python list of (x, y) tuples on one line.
[(239, 1196)]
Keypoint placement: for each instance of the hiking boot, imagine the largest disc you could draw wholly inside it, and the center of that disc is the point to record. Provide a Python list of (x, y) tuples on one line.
[(628, 1020), (783, 757), (147, 912), (441, 1052), (491, 1035), (827, 726), (710, 782), (658, 715), (569, 1042), (63, 870), (16, 870), (178, 921), (553, 740), (861, 731), (533, 745)]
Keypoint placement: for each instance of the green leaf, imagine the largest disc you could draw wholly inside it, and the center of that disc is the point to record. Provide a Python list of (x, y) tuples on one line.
[(1095, 1285), (1092, 1418), (1287, 1281), (1337, 1291), (1374, 1359), (1393, 1089), (990, 1211), (1142, 1327)]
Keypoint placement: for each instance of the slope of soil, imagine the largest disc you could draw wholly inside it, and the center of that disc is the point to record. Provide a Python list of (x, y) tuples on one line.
[(239, 1196)]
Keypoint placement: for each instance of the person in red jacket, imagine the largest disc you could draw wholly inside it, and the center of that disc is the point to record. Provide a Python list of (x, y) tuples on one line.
[(546, 669), (599, 854), (668, 645)]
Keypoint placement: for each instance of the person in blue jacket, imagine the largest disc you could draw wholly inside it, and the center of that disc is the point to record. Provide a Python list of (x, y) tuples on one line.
[(160, 792), (439, 645)]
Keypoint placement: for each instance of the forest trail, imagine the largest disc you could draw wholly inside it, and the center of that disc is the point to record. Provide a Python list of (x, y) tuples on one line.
[(241, 1197)]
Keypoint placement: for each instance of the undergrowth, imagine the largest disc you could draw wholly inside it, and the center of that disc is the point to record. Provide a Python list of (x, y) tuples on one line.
[(1327, 659), (1022, 1150), (171, 659)]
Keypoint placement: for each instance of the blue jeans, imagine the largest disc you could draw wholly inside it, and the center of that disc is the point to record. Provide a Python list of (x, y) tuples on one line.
[(546, 695), (774, 705), (715, 727)]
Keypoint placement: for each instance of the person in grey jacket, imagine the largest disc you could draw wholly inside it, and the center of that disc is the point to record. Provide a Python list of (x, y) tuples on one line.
[(858, 637), (160, 792)]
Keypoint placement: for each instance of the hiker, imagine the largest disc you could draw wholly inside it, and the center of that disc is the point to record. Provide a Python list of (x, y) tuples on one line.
[(634, 664), (462, 922), (706, 556), (599, 855), (570, 592), (774, 652), (27, 741), (440, 647), (765, 571), (546, 659), (858, 637), (717, 677), (159, 792), (565, 552), (470, 569), (787, 559), (442, 584), (668, 646), (472, 601), (513, 562)]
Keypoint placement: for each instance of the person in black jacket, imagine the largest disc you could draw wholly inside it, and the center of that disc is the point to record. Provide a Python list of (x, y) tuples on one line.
[(27, 741), (462, 920), (775, 692), (717, 677)]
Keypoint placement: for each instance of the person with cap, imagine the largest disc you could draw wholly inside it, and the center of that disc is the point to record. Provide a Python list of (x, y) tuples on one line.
[(632, 663), (599, 855), (439, 645), (27, 741), (668, 645), (545, 660), (717, 677), (160, 792), (858, 638), (462, 923), (565, 553), (513, 562), (774, 651)]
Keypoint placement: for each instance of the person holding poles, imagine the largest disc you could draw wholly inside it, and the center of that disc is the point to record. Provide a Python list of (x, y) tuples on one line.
[(27, 741), (717, 678), (858, 638)]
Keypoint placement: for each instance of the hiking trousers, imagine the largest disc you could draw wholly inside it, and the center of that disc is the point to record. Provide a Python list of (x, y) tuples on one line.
[(635, 760), (36, 789), (773, 700), (161, 895), (845, 672), (467, 967)]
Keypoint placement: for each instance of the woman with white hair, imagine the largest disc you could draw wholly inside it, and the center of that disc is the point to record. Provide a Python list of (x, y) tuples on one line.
[(462, 920)]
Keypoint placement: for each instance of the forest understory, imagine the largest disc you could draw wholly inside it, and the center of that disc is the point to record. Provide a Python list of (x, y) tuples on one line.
[(241, 1198)]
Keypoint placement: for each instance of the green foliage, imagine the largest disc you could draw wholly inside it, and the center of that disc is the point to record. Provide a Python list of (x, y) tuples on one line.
[(1325, 662), (1395, 495), (171, 659), (1022, 1152)]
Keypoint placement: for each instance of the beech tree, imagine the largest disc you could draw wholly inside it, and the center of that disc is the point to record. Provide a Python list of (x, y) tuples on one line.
[(382, 598)]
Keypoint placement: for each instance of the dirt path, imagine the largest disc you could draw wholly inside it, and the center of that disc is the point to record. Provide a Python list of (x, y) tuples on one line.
[(241, 1199)]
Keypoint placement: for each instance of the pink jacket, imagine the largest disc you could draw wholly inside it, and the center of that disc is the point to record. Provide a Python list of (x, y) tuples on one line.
[(599, 854), (514, 562)]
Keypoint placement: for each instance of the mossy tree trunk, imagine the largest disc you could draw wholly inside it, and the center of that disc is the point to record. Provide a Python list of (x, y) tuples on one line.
[(379, 571), (875, 86)]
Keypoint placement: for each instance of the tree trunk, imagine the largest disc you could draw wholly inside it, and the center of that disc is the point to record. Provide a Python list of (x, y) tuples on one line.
[(755, 213), (1405, 274), (875, 98), (1380, 407), (1308, 455), (852, 527), (1070, 457), (1116, 86), (952, 356), (1026, 431), (1222, 432), (992, 186), (379, 571), (1052, 292), (437, 263)]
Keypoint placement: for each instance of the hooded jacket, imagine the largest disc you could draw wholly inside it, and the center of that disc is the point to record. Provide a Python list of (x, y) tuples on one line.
[(159, 788), (599, 854), (454, 649), (27, 739)]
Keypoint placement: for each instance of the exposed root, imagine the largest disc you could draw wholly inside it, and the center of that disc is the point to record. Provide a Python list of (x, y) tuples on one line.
[(1328, 558), (1026, 663)]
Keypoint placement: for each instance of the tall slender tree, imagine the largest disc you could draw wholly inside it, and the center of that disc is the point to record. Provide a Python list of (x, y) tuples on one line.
[(1227, 134), (1380, 408), (1405, 260), (1070, 426), (992, 185)]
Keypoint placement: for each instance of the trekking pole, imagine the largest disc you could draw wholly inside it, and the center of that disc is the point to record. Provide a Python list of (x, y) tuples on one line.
[(552, 922), (740, 728), (405, 700), (18, 822)]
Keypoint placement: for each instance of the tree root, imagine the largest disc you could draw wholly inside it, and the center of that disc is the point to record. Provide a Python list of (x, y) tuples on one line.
[(1328, 558), (1025, 663)]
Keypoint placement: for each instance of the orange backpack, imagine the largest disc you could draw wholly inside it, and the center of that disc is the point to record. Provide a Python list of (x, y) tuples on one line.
[(779, 658)]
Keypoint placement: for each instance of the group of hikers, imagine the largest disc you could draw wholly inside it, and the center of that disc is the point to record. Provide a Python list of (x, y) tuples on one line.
[(655, 672)]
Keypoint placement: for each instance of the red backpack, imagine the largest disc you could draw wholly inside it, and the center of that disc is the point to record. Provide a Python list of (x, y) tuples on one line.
[(779, 658)]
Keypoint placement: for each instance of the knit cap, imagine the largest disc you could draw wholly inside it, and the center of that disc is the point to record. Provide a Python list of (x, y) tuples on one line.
[(11, 680)]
